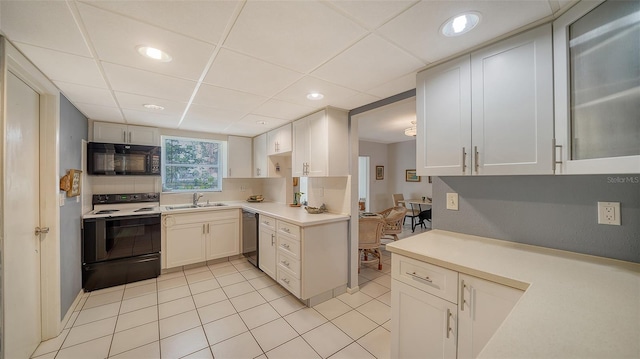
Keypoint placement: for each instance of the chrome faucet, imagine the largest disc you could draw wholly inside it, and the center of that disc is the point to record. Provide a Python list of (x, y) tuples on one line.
[(196, 197)]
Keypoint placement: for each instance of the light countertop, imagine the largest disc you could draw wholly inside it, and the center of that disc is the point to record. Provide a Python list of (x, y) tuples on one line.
[(295, 215), (574, 305)]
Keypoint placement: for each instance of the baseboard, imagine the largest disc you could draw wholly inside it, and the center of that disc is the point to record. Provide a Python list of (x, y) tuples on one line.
[(70, 311), (352, 290)]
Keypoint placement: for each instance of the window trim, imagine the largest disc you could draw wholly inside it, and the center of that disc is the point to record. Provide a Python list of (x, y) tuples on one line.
[(220, 166)]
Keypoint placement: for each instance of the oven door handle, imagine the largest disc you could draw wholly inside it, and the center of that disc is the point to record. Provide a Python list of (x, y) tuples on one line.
[(134, 216)]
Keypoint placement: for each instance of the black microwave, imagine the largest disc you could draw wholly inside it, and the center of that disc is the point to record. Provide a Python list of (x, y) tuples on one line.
[(114, 159)]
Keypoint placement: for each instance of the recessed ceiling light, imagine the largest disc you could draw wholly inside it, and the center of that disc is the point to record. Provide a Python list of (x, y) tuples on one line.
[(261, 122), (315, 96), (153, 107), (153, 53), (460, 24)]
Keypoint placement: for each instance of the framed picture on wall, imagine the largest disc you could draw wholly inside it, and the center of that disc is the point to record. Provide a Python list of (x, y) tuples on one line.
[(429, 179), (379, 172), (410, 176)]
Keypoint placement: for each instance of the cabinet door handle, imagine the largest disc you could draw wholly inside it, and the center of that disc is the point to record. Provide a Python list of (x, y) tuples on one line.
[(415, 276), (208, 228), (229, 172), (449, 315), (273, 239), (285, 263), (129, 136), (464, 160), (477, 158), (462, 300), (124, 136), (203, 231)]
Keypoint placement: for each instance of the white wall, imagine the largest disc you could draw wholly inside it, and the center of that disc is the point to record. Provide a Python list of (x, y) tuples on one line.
[(379, 190), (402, 157), (334, 192)]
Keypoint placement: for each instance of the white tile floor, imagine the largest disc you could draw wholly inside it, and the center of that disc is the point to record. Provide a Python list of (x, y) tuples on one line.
[(227, 310)]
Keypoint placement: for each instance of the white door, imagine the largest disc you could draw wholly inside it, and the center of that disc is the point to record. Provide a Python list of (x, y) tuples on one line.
[(21, 273)]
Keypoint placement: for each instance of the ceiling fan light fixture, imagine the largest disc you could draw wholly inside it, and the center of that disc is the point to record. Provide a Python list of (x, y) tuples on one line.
[(153, 53), (151, 106), (315, 96), (460, 24), (411, 131)]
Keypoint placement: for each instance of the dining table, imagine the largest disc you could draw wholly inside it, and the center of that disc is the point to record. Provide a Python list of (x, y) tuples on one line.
[(416, 204)]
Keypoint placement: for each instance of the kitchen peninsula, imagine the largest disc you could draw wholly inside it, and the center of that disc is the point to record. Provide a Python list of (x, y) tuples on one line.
[(573, 305), (305, 253)]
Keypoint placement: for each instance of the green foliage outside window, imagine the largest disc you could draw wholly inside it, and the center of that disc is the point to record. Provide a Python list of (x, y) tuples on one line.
[(191, 164)]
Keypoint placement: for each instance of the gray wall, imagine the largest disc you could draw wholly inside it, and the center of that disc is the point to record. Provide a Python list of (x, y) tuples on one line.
[(73, 129), (551, 211)]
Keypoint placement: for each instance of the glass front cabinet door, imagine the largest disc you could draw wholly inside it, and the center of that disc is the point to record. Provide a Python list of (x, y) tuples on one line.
[(597, 88)]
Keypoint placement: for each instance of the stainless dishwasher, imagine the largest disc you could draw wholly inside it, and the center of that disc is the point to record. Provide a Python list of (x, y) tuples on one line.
[(250, 236)]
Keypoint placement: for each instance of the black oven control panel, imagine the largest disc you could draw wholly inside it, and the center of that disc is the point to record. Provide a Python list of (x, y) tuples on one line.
[(126, 198)]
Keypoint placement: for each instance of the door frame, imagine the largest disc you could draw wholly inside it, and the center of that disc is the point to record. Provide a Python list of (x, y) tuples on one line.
[(12, 59)]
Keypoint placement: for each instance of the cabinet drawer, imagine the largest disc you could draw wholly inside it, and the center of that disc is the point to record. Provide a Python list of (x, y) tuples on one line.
[(288, 264), (290, 230), (289, 247), (199, 217), (289, 282), (429, 278), (268, 222)]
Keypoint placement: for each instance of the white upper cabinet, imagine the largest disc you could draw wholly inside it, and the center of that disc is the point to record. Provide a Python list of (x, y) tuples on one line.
[(260, 156), (512, 105), (489, 113), (321, 144), (597, 88), (444, 118), (279, 140), (120, 133), (238, 157)]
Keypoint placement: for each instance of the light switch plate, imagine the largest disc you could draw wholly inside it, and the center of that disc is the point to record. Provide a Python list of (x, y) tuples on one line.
[(452, 201), (609, 213)]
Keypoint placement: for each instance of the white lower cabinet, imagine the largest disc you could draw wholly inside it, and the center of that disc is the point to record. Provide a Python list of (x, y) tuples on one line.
[(422, 324), (483, 306), (267, 246), (439, 313), (308, 261), (189, 238)]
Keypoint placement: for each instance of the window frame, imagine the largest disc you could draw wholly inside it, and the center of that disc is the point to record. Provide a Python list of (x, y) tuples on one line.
[(220, 166)]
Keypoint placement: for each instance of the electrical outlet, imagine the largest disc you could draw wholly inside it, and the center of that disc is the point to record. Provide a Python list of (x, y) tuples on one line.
[(452, 201), (62, 199), (321, 192), (609, 213), (242, 188)]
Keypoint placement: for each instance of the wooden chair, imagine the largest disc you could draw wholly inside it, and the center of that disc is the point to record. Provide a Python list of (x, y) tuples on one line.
[(369, 234), (411, 213), (393, 218)]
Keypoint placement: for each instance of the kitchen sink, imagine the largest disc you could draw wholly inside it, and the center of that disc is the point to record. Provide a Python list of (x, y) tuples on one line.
[(200, 205)]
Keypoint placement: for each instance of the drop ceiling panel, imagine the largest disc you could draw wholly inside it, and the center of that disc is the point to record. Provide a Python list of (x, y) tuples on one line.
[(136, 102), (418, 29), (146, 118), (204, 20), (86, 94), (61, 66), (100, 113), (356, 101), (396, 86), (248, 126), (222, 98), (208, 119), (297, 93), (373, 13), (284, 110), (378, 61), (130, 80), (299, 35), (116, 37), (47, 24), (243, 73)]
